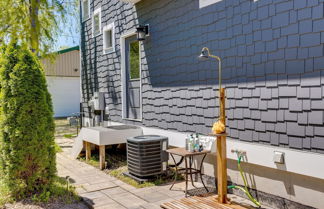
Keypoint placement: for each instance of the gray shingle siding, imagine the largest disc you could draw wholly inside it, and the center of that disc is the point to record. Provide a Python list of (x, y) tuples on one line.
[(273, 67)]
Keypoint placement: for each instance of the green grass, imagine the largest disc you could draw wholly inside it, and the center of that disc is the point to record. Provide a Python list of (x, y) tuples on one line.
[(94, 160), (60, 190), (4, 193), (117, 165), (118, 173), (69, 136), (58, 149), (63, 129)]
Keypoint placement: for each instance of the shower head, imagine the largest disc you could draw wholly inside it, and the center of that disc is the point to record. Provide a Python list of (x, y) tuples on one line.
[(204, 55)]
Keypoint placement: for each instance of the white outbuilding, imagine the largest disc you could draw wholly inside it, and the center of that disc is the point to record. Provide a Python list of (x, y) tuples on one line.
[(63, 80)]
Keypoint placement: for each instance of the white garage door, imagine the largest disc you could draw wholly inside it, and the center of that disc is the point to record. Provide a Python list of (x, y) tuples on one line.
[(65, 93)]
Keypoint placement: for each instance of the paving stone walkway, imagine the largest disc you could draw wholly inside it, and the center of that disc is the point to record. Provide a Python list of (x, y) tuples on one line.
[(101, 191)]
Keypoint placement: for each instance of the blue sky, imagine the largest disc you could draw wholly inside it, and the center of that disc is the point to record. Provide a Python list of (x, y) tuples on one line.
[(70, 35), (68, 39)]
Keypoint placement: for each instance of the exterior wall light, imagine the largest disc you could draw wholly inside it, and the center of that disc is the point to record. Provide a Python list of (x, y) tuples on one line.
[(142, 31)]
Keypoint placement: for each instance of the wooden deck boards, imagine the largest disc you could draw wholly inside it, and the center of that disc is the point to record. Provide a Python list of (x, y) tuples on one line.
[(201, 202)]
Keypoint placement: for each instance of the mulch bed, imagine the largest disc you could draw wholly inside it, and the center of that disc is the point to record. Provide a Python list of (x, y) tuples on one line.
[(56, 204)]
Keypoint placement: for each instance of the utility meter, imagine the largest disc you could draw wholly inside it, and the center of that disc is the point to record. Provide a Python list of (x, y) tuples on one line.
[(97, 101)]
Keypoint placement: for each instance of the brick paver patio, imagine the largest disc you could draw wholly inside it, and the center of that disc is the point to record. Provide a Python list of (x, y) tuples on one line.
[(102, 191)]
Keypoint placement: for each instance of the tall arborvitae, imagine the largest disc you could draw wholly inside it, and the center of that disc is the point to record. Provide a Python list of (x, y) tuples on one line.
[(27, 154)]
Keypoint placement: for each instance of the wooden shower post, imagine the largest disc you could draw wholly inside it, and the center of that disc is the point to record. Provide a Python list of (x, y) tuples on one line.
[(222, 105), (221, 153)]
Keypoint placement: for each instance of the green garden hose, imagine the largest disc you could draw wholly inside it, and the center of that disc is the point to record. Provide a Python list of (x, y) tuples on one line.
[(245, 189)]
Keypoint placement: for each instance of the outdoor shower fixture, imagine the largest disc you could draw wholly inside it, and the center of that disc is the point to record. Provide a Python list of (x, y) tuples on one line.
[(219, 131), (205, 54), (220, 125)]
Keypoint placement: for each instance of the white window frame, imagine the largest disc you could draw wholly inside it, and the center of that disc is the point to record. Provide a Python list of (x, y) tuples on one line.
[(111, 27), (82, 7), (96, 12)]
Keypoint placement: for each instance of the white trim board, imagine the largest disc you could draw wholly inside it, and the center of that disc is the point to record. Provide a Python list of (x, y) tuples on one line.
[(296, 161), (205, 3)]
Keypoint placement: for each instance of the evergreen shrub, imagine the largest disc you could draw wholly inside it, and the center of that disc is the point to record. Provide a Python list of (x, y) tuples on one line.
[(27, 147)]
